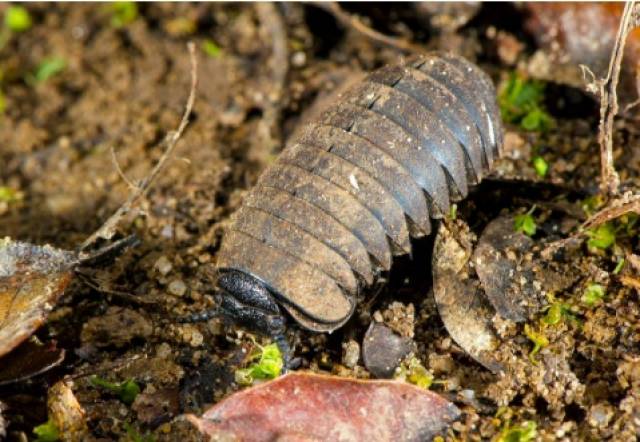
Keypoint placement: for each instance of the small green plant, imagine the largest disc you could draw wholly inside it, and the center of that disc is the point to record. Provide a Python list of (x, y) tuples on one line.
[(47, 432), (267, 363), (17, 19), (593, 294), (414, 372), (541, 167), (521, 102), (134, 435), (453, 212), (525, 223), (525, 432), (619, 266), (539, 341), (602, 237), (211, 48), (126, 391), (9, 195), (123, 13), (49, 67)]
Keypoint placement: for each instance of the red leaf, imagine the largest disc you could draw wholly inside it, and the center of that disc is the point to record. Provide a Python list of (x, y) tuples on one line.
[(307, 406)]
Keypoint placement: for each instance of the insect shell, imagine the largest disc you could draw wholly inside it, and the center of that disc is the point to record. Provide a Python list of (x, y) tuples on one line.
[(352, 188)]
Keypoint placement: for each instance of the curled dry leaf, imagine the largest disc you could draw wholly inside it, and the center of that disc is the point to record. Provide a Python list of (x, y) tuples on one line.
[(66, 413), (465, 312), (32, 279), (506, 275), (28, 360), (312, 407), (575, 34)]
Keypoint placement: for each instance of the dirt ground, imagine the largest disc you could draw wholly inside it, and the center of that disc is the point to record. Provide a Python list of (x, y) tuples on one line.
[(126, 87)]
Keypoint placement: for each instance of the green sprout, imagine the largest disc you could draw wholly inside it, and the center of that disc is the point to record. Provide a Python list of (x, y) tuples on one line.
[(525, 223), (17, 19), (521, 102), (47, 432), (126, 391), (48, 68), (211, 48), (541, 167), (593, 294), (525, 432), (9, 195), (415, 373), (602, 237), (453, 212), (123, 13), (267, 364), (619, 266), (539, 341)]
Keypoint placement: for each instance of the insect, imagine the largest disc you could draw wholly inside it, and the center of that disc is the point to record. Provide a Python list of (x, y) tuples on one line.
[(352, 188)]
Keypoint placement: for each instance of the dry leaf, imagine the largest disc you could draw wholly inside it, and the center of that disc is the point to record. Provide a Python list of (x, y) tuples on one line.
[(312, 407), (32, 279), (28, 360), (465, 312)]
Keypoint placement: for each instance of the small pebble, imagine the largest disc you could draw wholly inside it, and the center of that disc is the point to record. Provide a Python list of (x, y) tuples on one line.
[(350, 353), (382, 350), (163, 265), (177, 287)]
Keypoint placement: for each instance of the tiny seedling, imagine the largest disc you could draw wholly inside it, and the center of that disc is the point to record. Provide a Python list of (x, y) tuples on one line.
[(525, 223), (593, 294), (17, 19), (619, 266), (126, 391), (414, 372), (602, 237), (211, 48), (267, 363), (541, 167), (453, 212), (48, 68), (123, 13), (539, 341), (47, 432), (525, 432), (521, 102)]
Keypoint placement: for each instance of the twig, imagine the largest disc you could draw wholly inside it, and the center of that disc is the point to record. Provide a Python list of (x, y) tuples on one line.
[(108, 229), (617, 208), (354, 23), (609, 104), (119, 169), (272, 22)]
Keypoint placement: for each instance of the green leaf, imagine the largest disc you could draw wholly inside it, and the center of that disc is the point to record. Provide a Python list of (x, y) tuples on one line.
[(268, 365), (124, 13), (126, 391), (602, 237), (47, 432), (593, 294), (619, 266), (538, 339), (525, 223), (17, 19), (48, 68), (541, 166), (525, 432), (211, 48), (521, 102)]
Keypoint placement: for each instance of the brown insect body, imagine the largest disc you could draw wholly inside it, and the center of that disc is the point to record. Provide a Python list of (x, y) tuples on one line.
[(349, 191)]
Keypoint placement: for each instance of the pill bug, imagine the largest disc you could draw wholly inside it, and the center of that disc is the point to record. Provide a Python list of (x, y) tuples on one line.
[(352, 188)]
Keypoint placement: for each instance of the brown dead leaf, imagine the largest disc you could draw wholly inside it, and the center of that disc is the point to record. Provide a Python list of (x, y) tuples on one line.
[(575, 34), (28, 360), (309, 407), (466, 314), (32, 279), (507, 277)]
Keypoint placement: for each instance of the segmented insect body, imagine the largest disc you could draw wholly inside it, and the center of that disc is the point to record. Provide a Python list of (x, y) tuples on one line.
[(349, 191)]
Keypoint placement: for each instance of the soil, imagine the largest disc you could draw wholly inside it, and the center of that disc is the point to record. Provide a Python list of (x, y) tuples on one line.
[(126, 87)]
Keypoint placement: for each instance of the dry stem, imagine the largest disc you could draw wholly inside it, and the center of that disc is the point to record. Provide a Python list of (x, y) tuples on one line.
[(609, 104), (354, 23), (108, 229)]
